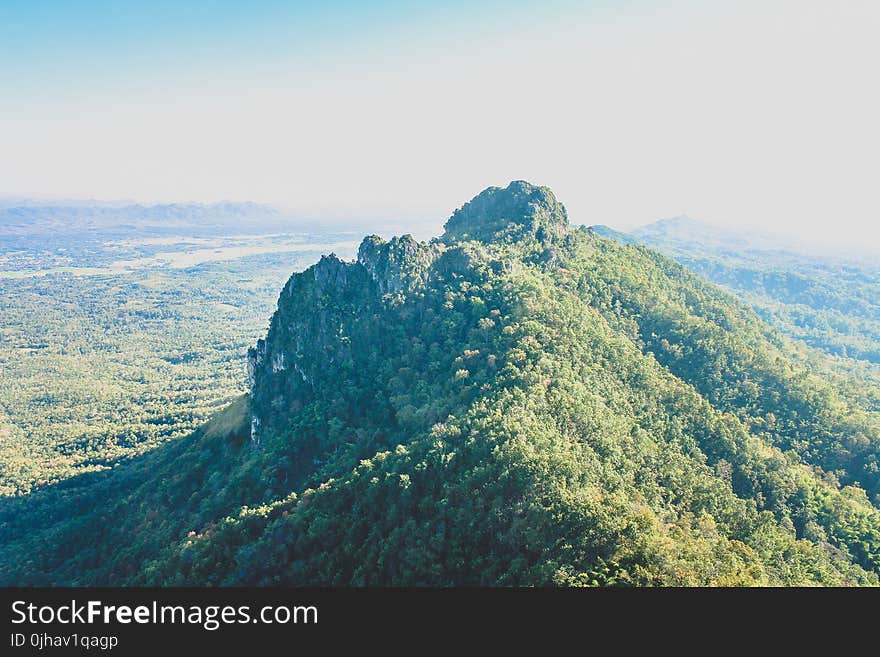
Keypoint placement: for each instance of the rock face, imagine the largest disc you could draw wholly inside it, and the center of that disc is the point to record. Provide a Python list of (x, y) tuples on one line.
[(310, 335), (330, 317), (520, 210), (399, 265)]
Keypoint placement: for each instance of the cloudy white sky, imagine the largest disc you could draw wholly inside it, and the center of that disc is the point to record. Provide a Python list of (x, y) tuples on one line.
[(755, 113)]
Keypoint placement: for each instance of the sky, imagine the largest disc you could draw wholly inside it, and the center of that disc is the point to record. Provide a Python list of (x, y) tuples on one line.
[(761, 114)]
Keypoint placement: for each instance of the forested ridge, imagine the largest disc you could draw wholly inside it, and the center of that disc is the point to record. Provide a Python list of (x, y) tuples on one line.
[(829, 302), (517, 402)]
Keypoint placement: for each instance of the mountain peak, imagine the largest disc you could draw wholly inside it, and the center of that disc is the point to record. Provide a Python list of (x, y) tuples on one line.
[(520, 209)]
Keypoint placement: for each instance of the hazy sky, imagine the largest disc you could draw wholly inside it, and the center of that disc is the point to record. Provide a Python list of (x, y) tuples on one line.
[(762, 113)]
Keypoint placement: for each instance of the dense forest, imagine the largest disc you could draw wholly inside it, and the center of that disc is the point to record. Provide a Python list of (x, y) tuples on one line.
[(100, 362), (516, 402)]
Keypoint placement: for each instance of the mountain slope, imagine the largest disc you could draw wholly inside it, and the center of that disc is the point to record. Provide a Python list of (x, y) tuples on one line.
[(517, 402), (831, 303)]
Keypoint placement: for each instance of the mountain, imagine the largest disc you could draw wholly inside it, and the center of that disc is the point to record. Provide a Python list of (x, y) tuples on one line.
[(517, 402), (830, 302), (686, 231)]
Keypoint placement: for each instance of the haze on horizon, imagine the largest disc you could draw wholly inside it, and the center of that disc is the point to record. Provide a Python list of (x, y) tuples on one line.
[(760, 115)]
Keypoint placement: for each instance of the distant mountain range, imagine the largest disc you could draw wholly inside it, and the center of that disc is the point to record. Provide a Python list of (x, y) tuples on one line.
[(107, 218), (684, 232)]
